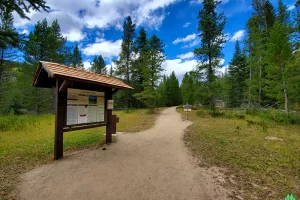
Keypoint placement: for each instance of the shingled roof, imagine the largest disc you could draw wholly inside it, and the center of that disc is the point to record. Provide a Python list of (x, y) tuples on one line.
[(49, 70)]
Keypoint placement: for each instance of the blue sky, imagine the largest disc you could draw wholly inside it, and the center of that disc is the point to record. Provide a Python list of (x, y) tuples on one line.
[(96, 26)]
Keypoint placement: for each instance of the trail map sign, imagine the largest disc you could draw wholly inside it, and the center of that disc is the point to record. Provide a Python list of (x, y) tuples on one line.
[(84, 106), (187, 109), (82, 99)]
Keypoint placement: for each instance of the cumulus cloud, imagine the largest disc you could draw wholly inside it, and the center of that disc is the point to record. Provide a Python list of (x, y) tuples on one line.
[(74, 36), (179, 66), (185, 39), (222, 71), (186, 24), (87, 65), (24, 31), (106, 48), (291, 7), (238, 35), (192, 44), (186, 55), (73, 15)]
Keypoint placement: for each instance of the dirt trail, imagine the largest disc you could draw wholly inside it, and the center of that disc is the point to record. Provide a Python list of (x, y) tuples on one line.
[(153, 164)]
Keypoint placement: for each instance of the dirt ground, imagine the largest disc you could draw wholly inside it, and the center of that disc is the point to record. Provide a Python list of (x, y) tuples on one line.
[(153, 164)]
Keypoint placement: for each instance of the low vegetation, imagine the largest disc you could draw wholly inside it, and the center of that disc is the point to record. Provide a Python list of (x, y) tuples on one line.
[(26, 141), (258, 168)]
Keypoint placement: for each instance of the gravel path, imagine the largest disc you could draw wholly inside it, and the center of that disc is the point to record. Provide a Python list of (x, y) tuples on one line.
[(152, 164)]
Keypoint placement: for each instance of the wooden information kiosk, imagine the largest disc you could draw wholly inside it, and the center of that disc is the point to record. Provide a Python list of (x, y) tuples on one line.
[(82, 99)]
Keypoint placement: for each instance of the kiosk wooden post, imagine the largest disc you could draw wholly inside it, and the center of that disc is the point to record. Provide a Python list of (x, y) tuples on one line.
[(60, 118), (81, 99), (108, 96)]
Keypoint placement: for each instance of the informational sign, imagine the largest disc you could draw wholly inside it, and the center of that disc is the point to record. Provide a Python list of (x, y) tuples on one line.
[(110, 104), (187, 108), (84, 106)]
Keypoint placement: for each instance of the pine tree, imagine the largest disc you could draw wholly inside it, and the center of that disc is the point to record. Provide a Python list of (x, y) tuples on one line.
[(58, 42), (161, 93), (151, 56), (187, 89), (141, 63), (76, 59), (173, 90), (111, 71), (47, 44), (258, 28), (238, 75), (21, 7), (157, 57), (211, 25), (280, 54), (98, 65), (296, 29), (125, 62), (6, 46)]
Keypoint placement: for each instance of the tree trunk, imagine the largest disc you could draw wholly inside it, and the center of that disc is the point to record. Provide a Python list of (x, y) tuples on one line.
[(286, 105), (249, 89), (260, 83)]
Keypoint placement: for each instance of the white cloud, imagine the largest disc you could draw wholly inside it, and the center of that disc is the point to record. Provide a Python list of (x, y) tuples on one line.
[(74, 36), (238, 35), (186, 55), (185, 39), (73, 15), (222, 71), (186, 24), (87, 65), (291, 7), (25, 31), (179, 66), (192, 44), (106, 48)]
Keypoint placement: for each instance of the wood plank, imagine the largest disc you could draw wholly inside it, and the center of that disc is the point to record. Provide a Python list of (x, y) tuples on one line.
[(108, 96), (83, 127), (60, 118), (64, 86)]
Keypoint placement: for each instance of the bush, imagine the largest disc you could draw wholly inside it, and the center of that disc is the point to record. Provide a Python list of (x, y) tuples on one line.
[(216, 113), (11, 122), (201, 113), (194, 108)]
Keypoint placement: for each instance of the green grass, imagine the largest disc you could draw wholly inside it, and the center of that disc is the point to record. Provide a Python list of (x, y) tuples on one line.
[(135, 120), (27, 141), (261, 168)]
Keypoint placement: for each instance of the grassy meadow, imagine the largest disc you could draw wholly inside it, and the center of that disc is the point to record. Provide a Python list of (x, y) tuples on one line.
[(26, 141), (256, 167)]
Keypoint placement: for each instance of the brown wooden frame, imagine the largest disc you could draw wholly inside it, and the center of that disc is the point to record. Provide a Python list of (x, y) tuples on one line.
[(60, 116), (45, 78)]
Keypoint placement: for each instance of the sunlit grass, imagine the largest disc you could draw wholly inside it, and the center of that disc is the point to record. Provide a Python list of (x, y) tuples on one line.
[(135, 120), (27, 141), (263, 168)]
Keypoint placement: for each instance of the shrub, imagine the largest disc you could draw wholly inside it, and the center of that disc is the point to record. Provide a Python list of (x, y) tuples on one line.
[(11, 122), (216, 113), (201, 113)]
